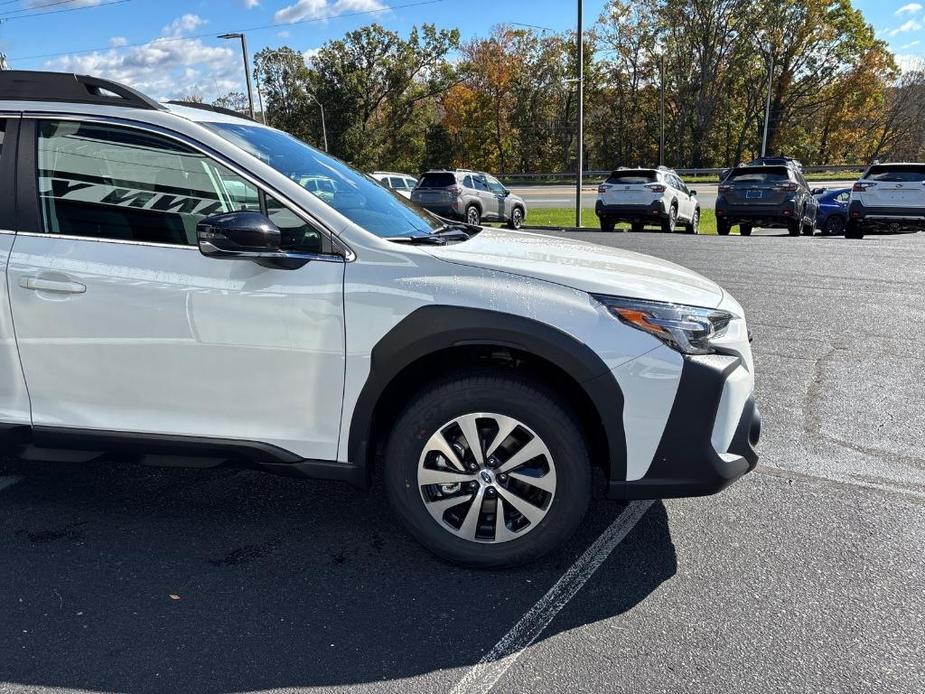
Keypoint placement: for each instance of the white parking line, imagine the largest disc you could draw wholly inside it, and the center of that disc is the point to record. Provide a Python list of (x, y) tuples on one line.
[(486, 673), (8, 481)]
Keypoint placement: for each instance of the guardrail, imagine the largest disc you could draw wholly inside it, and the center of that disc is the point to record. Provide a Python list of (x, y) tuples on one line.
[(593, 174)]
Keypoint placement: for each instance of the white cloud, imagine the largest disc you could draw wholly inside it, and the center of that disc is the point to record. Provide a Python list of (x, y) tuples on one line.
[(910, 25), (910, 63), (167, 67), (309, 55), (318, 9), (284, 34), (117, 41), (183, 25), (909, 45), (911, 8), (251, 4)]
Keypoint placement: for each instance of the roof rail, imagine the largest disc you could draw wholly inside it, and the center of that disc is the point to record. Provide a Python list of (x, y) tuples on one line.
[(209, 107), (29, 85)]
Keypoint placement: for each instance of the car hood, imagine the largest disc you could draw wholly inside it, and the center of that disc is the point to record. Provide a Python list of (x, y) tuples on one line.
[(584, 266)]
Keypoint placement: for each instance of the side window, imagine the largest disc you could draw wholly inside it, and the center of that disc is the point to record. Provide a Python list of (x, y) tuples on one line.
[(109, 182), (480, 183), (397, 183), (298, 235), (2, 133), (495, 185), (411, 183), (467, 182), (843, 197)]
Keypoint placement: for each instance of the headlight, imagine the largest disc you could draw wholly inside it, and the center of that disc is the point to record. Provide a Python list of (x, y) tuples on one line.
[(688, 329)]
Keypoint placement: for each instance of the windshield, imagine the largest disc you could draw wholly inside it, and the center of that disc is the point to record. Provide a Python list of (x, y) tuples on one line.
[(356, 196)]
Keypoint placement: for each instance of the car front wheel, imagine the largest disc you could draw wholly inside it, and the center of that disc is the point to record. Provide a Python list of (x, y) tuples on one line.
[(488, 470), (517, 218)]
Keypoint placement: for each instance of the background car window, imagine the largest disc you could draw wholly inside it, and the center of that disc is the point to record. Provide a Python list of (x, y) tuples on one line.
[(495, 185), (747, 175), (631, 177), (116, 183), (411, 183), (2, 133), (843, 197), (480, 183), (906, 174), (398, 183), (298, 236), (467, 182)]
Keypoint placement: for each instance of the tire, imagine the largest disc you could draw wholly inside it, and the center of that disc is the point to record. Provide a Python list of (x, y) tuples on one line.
[(722, 227), (432, 415), (693, 227), (793, 227), (473, 215), (834, 225), (607, 224), (636, 227), (745, 229), (671, 222), (853, 230), (808, 229), (517, 219)]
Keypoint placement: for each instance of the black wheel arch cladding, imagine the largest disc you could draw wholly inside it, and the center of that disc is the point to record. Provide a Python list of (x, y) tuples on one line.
[(434, 328)]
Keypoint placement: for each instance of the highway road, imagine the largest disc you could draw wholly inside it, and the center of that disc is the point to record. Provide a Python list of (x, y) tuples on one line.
[(564, 196)]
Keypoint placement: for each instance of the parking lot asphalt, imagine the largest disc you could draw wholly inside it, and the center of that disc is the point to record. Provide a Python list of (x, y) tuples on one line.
[(806, 575)]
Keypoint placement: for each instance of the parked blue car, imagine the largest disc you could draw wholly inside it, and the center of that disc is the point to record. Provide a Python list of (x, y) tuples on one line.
[(833, 210)]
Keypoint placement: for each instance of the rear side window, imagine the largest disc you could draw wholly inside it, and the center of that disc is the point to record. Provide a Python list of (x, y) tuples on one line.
[(116, 183), (766, 175), (632, 177), (897, 174), (437, 180), (397, 183)]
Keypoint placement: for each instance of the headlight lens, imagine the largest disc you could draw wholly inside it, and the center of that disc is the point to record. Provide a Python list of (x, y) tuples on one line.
[(688, 329)]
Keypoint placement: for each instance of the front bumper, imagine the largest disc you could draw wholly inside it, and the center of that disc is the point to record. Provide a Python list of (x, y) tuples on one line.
[(886, 217), (714, 408)]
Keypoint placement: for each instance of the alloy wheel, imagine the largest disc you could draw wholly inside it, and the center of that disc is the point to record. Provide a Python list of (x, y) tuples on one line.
[(486, 478)]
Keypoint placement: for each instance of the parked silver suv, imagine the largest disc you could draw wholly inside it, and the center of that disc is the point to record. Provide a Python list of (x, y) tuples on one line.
[(473, 196)]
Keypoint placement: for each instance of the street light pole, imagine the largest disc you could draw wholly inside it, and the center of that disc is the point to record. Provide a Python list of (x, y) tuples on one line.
[(767, 109), (661, 111), (580, 134), (324, 129), (247, 70)]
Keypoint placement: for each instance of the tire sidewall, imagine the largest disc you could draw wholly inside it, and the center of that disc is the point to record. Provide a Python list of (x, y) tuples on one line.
[(478, 215), (549, 421)]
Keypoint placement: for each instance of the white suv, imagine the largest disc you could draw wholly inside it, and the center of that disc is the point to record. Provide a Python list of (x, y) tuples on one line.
[(888, 197), (646, 197), (172, 290)]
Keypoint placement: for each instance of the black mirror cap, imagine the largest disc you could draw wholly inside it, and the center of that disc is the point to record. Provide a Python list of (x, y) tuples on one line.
[(238, 233), (693, 192)]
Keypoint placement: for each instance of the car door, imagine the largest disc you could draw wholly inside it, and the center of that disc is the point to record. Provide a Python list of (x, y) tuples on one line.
[(499, 201), (123, 325), (487, 198), (685, 206), (14, 401)]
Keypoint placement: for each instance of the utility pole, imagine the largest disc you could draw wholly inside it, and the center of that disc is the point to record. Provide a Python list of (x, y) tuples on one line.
[(661, 110), (247, 70), (580, 125), (767, 108)]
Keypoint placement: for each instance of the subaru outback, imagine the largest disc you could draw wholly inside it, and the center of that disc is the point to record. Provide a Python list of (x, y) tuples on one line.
[(172, 290), (770, 196)]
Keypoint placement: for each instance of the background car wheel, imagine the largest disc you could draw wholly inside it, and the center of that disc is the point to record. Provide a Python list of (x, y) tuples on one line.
[(693, 227), (745, 230), (517, 218), (636, 227), (793, 227), (607, 224), (809, 228), (670, 222), (834, 225), (488, 470), (853, 230), (473, 216), (722, 227)]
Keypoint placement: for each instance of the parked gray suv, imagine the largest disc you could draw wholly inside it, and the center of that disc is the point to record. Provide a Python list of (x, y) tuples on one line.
[(472, 196)]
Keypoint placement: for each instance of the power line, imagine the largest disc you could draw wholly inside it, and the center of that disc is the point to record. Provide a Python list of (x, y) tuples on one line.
[(30, 8), (275, 25), (68, 9)]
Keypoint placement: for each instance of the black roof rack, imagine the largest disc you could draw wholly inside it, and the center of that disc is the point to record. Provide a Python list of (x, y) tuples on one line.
[(209, 107), (28, 85)]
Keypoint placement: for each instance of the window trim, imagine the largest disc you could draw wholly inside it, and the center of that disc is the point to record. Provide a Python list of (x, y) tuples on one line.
[(28, 180), (8, 177)]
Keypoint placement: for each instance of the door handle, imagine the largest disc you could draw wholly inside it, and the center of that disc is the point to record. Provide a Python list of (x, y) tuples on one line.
[(40, 284)]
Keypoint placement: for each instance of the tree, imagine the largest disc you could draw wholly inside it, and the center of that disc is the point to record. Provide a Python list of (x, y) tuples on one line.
[(233, 101)]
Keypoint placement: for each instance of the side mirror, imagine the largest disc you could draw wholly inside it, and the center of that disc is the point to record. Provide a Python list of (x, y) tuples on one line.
[(506, 192), (246, 235), (692, 192), (817, 191)]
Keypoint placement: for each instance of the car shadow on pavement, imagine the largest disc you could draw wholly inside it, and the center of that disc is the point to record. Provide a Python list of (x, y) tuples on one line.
[(120, 577)]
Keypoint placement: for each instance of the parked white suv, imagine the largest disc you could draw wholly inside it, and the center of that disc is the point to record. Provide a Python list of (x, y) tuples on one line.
[(888, 197), (401, 183), (175, 291), (647, 197)]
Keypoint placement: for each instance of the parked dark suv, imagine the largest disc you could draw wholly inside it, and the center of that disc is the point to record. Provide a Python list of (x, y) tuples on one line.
[(759, 195), (472, 196)]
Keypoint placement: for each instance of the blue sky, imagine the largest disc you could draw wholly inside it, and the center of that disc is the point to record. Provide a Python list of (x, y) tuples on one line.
[(168, 47)]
